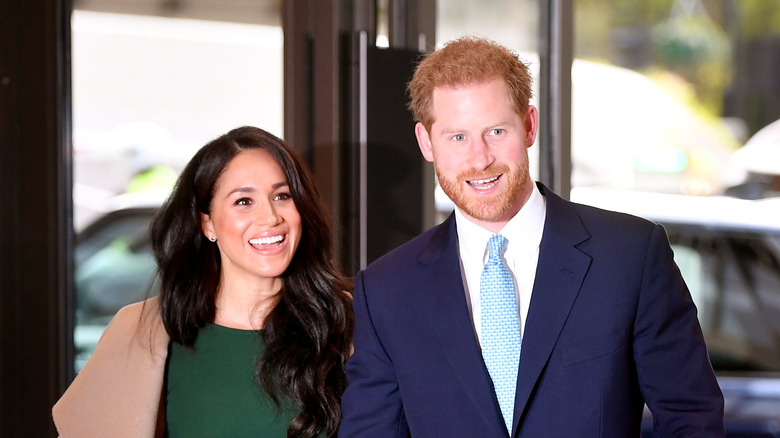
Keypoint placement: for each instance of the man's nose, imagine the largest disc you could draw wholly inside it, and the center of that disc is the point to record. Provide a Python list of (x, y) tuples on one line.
[(481, 154)]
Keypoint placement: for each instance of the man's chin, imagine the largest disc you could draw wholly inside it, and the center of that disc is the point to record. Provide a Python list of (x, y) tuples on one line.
[(483, 212)]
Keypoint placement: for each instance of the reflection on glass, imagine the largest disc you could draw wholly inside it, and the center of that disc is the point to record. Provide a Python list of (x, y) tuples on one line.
[(661, 94)]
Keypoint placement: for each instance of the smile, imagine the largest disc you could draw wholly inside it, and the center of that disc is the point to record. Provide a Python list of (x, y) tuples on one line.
[(483, 184), (267, 240)]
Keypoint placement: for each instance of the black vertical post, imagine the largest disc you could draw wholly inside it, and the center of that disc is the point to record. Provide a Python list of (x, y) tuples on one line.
[(555, 55), (35, 214), (316, 42)]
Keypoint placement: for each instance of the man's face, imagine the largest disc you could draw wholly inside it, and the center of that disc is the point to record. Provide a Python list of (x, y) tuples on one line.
[(479, 147)]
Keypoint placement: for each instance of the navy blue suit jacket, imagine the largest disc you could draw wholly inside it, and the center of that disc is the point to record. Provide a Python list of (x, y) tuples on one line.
[(611, 325)]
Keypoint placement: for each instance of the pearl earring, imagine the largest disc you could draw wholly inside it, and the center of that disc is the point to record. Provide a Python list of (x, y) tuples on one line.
[(213, 239)]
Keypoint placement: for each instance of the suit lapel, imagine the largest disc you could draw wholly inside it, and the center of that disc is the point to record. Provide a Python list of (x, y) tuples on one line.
[(444, 301), (559, 275)]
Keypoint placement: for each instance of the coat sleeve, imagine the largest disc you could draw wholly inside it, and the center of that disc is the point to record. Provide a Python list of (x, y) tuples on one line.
[(371, 404), (118, 391), (673, 367)]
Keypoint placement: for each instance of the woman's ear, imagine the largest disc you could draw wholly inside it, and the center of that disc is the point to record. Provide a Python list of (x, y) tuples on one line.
[(207, 227)]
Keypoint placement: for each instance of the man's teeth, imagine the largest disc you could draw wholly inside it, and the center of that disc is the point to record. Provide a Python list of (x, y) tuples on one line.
[(266, 240), (483, 182)]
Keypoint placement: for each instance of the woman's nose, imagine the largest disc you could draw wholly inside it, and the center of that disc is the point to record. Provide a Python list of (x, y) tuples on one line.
[(268, 215)]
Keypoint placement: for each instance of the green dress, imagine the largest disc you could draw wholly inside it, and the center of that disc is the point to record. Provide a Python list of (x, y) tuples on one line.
[(211, 391)]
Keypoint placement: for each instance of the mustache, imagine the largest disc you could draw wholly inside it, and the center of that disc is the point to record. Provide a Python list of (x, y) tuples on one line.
[(493, 170)]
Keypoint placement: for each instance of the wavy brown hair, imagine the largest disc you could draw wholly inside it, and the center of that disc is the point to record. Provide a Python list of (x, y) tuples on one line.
[(465, 61), (308, 334)]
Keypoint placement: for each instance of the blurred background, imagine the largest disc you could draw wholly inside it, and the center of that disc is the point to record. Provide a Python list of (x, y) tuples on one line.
[(670, 110), (667, 95)]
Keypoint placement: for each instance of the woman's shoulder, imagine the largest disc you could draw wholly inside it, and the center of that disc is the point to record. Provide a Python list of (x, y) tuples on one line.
[(132, 312), (142, 321), (118, 390)]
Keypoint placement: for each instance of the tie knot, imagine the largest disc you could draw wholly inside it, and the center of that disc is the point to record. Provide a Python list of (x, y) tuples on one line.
[(496, 244)]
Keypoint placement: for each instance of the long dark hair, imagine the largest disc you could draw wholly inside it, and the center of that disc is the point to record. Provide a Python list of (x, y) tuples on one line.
[(308, 334)]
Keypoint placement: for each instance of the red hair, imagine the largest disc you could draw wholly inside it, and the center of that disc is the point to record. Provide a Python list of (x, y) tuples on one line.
[(465, 61)]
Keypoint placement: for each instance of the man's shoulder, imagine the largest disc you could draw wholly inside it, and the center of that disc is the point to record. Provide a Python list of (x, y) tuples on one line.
[(428, 243), (562, 210), (610, 221)]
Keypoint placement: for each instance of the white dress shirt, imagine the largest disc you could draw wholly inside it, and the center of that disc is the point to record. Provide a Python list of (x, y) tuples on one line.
[(523, 233)]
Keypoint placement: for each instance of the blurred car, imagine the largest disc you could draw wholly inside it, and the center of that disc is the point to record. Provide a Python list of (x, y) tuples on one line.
[(114, 265), (759, 158), (728, 250)]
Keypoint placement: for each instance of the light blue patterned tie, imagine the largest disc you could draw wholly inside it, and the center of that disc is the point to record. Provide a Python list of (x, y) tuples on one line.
[(500, 327)]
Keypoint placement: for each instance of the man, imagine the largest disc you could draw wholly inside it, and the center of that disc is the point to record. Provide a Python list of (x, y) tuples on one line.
[(593, 321)]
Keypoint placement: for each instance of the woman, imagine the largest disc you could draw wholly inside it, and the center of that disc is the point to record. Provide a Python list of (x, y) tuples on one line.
[(243, 248)]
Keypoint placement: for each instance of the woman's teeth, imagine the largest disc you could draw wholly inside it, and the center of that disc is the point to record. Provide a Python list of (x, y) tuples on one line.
[(266, 240)]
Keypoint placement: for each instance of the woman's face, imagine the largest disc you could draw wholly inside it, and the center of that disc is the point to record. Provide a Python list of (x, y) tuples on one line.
[(253, 217)]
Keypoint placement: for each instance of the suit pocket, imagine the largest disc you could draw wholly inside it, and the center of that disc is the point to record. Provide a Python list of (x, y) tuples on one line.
[(592, 347)]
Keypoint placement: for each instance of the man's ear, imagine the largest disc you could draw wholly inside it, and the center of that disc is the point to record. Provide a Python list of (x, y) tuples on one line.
[(531, 122), (424, 141)]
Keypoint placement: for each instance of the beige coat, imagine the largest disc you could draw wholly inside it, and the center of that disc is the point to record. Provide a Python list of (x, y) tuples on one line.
[(118, 393)]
